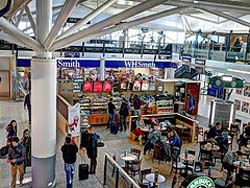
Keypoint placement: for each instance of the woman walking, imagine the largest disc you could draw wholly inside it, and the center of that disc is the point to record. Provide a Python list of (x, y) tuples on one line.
[(26, 141)]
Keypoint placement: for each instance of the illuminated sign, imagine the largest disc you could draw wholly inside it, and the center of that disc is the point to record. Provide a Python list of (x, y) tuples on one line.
[(139, 64), (202, 182)]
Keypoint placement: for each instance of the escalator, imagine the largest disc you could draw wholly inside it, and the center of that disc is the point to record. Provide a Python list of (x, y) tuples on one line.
[(185, 72)]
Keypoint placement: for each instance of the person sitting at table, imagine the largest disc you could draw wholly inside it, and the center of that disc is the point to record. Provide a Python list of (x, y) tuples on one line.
[(140, 124), (154, 137), (234, 129), (173, 145), (229, 159), (245, 136), (215, 135)]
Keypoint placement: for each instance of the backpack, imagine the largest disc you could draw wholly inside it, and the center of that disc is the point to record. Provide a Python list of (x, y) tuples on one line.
[(4, 152)]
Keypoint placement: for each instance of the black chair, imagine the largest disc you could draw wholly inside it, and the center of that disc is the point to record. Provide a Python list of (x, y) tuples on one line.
[(204, 155), (135, 168), (158, 154), (136, 152), (176, 164), (222, 184), (142, 175)]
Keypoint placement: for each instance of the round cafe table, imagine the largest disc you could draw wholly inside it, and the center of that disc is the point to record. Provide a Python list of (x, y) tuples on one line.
[(245, 165), (151, 178), (209, 147), (215, 174), (187, 158), (129, 157), (146, 129)]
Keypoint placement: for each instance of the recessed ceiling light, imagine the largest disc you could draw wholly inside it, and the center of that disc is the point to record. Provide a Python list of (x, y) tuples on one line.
[(196, 1)]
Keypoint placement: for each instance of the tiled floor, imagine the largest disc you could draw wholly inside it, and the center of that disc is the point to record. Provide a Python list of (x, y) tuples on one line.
[(113, 144), (14, 110)]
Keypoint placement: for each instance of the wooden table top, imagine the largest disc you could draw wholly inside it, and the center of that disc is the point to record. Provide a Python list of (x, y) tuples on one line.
[(209, 147)]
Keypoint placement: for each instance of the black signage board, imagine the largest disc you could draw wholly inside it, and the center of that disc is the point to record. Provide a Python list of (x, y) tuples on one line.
[(72, 49), (132, 51), (73, 20), (149, 51), (113, 50), (93, 49)]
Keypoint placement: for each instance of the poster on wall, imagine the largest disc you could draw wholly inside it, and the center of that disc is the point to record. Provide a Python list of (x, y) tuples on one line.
[(145, 85), (124, 85), (247, 91), (237, 104), (137, 85), (239, 91), (97, 86), (87, 86), (74, 120), (245, 106), (107, 86), (151, 86)]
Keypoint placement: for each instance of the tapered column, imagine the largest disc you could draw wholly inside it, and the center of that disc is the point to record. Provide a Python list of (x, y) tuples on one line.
[(102, 69), (43, 100)]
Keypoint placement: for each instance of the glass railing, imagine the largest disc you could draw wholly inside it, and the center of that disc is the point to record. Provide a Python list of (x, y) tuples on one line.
[(218, 52), (115, 176)]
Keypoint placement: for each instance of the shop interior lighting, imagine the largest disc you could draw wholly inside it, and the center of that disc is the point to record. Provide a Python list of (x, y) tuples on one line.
[(239, 71), (227, 78)]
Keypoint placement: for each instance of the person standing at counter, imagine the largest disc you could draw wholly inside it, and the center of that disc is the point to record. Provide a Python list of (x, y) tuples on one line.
[(137, 105), (111, 111), (124, 112)]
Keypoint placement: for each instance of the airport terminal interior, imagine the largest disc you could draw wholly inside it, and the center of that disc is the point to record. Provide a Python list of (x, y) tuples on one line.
[(124, 93)]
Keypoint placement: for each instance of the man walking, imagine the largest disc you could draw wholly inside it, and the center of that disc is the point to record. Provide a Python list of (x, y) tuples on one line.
[(124, 112), (111, 111), (16, 158), (69, 152), (27, 103)]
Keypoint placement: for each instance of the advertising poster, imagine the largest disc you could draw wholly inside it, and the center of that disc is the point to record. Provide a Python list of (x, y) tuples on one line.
[(145, 85), (124, 85), (74, 120), (245, 106), (97, 86), (87, 86), (247, 91), (137, 85), (107, 86), (237, 104), (239, 91), (151, 86)]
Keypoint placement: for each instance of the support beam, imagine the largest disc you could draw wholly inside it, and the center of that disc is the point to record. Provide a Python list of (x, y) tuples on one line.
[(31, 19), (61, 18), (226, 16), (11, 39), (126, 25), (13, 31), (18, 5), (203, 19), (116, 19), (88, 18), (20, 15)]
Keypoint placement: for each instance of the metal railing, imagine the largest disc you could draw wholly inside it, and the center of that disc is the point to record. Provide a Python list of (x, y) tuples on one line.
[(115, 176)]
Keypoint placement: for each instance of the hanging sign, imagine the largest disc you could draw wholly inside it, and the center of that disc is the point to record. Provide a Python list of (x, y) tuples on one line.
[(200, 61), (72, 54), (5, 6), (186, 58), (74, 120)]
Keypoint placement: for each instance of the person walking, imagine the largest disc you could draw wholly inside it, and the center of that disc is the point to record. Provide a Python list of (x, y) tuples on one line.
[(27, 103), (91, 148), (124, 112), (137, 105), (16, 158), (111, 111), (11, 129), (26, 141), (69, 152)]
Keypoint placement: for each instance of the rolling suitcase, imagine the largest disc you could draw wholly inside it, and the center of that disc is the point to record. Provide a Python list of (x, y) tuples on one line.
[(114, 128), (83, 171)]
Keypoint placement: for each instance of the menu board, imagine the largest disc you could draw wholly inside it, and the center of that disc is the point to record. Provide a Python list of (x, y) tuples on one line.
[(87, 86), (137, 85), (107, 86), (145, 85), (97, 86)]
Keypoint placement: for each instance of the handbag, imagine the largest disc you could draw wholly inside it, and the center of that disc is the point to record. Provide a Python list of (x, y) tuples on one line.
[(100, 142)]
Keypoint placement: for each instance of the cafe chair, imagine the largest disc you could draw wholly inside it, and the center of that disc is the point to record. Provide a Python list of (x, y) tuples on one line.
[(142, 175), (158, 154), (177, 165), (143, 185), (196, 168), (204, 155), (136, 152), (222, 184), (135, 168)]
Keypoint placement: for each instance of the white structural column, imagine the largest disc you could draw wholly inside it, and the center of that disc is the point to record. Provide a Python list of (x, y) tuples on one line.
[(43, 102), (102, 69), (171, 72)]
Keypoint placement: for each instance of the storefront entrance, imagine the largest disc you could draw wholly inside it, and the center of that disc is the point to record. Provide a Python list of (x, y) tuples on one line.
[(4, 84)]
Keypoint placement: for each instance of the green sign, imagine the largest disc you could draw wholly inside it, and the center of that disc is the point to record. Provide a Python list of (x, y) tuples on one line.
[(226, 81), (202, 182)]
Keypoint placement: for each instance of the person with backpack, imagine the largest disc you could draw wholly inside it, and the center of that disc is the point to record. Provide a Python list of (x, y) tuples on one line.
[(69, 152), (16, 158), (124, 112)]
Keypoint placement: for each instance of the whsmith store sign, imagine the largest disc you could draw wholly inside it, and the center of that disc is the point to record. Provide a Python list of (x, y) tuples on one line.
[(78, 63)]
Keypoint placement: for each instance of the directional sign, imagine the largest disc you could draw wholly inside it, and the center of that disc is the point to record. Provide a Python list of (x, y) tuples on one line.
[(5, 6)]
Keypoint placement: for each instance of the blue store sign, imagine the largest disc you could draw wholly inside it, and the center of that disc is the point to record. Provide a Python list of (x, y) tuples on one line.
[(77, 63)]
